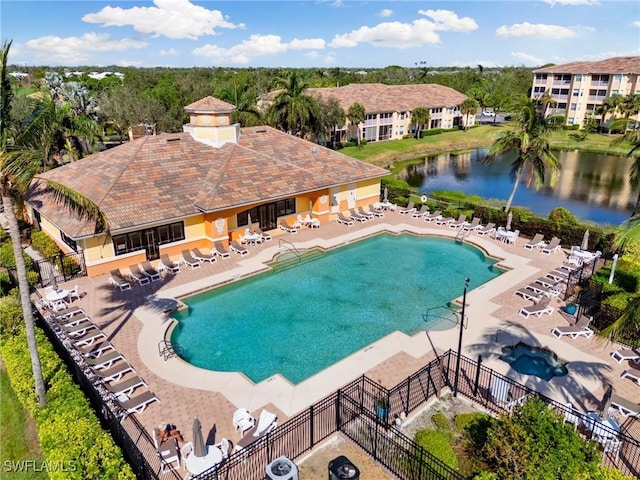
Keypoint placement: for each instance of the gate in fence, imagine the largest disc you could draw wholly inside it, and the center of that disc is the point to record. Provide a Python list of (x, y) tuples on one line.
[(59, 269)]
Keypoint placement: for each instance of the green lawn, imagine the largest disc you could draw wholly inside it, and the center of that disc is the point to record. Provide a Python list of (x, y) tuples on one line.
[(386, 153), (18, 439)]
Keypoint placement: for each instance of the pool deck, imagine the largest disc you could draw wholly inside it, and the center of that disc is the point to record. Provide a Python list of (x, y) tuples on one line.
[(185, 391)]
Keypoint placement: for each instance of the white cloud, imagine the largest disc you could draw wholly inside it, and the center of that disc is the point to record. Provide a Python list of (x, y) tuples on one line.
[(404, 35), (384, 13), (571, 2), (312, 54), (526, 58), (329, 58), (539, 30), (448, 21), (75, 50), (636, 23), (171, 51), (255, 46), (174, 19)]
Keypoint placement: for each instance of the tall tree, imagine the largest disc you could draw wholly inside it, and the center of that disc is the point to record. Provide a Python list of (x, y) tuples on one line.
[(292, 109), (468, 107), (20, 160), (419, 117), (356, 115), (530, 141), (331, 118)]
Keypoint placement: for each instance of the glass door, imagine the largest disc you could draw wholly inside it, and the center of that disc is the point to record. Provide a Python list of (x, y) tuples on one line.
[(151, 244)]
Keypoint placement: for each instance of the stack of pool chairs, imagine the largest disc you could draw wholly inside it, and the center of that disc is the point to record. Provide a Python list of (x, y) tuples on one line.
[(113, 377)]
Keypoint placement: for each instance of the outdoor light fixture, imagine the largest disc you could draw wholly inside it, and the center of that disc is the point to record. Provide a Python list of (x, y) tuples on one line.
[(464, 302)]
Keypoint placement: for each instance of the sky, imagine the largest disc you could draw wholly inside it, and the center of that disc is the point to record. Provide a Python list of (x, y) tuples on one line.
[(318, 34)]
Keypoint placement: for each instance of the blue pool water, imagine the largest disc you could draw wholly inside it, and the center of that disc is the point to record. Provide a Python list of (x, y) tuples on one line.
[(536, 361), (302, 319)]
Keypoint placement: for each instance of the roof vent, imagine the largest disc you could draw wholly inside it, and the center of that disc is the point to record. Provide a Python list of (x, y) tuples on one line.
[(175, 139), (264, 130), (314, 151)]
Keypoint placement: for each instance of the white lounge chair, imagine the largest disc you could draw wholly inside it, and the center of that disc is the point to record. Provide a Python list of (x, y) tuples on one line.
[(79, 329), (624, 406), (488, 229), (375, 212), (623, 354), (237, 248), (283, 225), (150, 272), (410, 208), (552, 247), (74, 292), (127, 386), (218, 249), (528, 294), (203, 257), (344, 220), (461, 222), (437, 215), (445, 220), (265, 236), (580, 329), (549, 292), (632, 373), (137, 276), (537, 309), (114, 373), (353, 215), (168, 265), (266, 423), (424, 210), (558, 275), (96, 349), (536, 242), (116, 278), (139, 403), (104, 361), (189, 260), (474, 225), (369, 215)]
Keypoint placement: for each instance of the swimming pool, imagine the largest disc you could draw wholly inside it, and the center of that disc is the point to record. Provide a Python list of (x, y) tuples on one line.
[(541, 362), (302, 319)]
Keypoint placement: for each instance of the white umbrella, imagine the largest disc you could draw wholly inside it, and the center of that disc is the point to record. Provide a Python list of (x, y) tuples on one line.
[(509, 218), (585, 241), (310, 209), (198, 441), (386, 193), (249, 220), (606, 402)]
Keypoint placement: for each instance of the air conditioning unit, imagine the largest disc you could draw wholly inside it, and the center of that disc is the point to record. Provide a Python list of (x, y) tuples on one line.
[(282, 469)]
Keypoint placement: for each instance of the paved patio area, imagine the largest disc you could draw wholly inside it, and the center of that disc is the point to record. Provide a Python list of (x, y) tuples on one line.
[(135, 328)]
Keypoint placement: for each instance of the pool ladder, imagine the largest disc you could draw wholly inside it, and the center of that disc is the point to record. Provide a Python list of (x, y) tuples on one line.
[(166, 350), (462, 234), (290, 247)]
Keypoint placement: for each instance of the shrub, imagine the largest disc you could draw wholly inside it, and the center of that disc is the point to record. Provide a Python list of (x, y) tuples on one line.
[(437, 443), (433, 131), (70, 433), (10, 313), (563, 216), (7, 259), (466, 421), (41, 242), (441, 422)]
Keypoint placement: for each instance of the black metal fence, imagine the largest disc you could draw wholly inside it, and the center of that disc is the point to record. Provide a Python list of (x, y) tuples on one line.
[(363, 410), (59, 269)]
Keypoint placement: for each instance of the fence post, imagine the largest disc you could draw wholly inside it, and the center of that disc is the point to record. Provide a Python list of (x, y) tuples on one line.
[(406, 407), (338, 421), (475, 387), (311, 425)]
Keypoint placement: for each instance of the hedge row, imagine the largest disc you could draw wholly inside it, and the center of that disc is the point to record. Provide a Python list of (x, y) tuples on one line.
[(69, 431)]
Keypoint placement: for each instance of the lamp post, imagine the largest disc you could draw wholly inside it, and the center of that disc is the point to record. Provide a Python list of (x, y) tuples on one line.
[(464, 302)]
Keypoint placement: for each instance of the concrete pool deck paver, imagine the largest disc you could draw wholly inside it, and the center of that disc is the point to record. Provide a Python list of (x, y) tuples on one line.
[(186, 391)]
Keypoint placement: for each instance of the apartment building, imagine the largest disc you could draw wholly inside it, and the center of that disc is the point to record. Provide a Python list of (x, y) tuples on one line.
[(579, 88), (388, 108)]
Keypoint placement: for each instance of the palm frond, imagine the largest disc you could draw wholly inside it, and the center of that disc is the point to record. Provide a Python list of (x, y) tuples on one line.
[(79, 205)]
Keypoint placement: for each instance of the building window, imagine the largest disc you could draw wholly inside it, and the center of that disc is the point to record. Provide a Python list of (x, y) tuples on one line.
[(69, 241), (538, 91), (541, 76), (574, 106), (401, 115), (571, 120), (134, 241), (617, 78), (578, 77)]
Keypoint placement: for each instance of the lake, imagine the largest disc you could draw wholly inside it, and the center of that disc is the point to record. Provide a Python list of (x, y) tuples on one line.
[(592, 186)]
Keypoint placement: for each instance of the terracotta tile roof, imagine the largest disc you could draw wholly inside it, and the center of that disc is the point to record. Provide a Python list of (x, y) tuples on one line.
[(610, 65), (171, 176), (209, 104), (378, 98)]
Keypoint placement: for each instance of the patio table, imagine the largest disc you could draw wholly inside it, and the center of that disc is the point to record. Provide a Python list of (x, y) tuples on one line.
[(600, 429), (56, 295), (388, 205)]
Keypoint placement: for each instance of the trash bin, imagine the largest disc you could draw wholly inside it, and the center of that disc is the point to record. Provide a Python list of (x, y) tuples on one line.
[(341, 468)]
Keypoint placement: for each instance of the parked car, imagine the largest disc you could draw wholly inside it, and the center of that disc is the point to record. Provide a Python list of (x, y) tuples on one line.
[(488, 113)]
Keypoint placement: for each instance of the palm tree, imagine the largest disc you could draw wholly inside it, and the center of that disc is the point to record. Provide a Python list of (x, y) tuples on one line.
[(468, 107), (19, 163), (356, 116), (531, 143), (628, 325), (609, 105), (293, 110), (546, 100), (419, 117)]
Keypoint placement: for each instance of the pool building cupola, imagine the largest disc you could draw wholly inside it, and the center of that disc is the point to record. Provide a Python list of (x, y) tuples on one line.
[(210, 122)]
